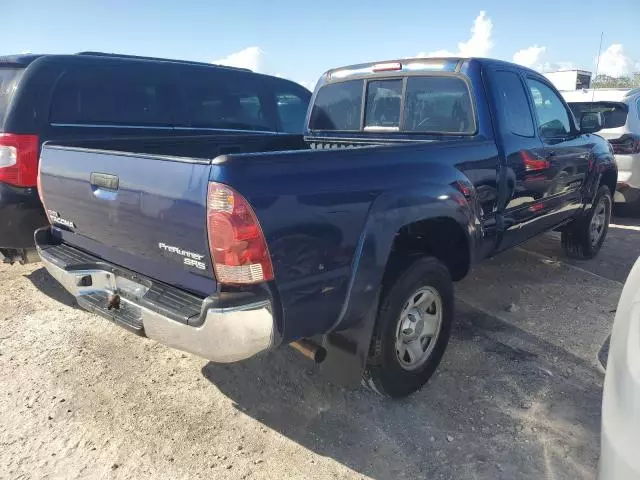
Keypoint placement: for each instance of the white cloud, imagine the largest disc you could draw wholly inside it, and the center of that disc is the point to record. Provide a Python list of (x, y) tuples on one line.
[(438, 53), (533, 57), (250, 57), (479, 44), (614, 62), (565, 65), (307, 85), (554, 66), (529, 57)]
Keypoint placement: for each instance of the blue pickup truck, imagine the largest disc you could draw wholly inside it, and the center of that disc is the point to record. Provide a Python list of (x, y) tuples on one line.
[(344, 243)]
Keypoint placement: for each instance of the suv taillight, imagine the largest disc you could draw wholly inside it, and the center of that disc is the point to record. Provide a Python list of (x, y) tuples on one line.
[(238, 248), (19, 159), (627, 144)]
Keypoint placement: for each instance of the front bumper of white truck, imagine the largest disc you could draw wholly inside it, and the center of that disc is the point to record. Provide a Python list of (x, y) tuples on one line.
[(225, 327)]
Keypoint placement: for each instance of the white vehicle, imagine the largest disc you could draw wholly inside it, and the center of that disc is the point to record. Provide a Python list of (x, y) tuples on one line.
[(621, 111), (620, 443)]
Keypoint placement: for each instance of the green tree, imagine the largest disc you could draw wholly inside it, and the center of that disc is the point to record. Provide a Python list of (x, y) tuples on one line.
[(606, 81)]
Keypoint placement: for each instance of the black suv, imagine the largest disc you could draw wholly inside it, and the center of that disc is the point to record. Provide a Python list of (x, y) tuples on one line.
[(95, 95)]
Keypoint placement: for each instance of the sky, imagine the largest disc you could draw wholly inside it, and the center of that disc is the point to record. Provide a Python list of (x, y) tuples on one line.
[(301, 40)]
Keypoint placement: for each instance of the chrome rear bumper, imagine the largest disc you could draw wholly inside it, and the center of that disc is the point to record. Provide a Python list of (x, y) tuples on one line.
[(223, 331)]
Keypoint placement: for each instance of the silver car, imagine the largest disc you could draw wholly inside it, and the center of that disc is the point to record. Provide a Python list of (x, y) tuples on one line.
[(620, 109)]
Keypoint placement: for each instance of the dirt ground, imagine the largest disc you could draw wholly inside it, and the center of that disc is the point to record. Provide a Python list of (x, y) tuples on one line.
[(517, 395)]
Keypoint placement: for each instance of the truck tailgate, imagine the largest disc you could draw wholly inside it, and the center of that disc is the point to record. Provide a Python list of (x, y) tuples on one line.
[(143, 212)]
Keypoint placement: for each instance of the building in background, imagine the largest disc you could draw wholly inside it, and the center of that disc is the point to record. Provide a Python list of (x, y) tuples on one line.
[(570, 79)]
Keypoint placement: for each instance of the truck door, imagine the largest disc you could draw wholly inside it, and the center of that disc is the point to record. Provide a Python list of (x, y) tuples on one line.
[(522, 151), (565, 165), (546, 158)]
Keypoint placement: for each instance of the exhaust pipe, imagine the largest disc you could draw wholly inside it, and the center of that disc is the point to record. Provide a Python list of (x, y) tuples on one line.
[(310, 350)]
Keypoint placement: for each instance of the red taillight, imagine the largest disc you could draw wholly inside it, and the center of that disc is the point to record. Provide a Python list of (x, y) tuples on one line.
[(532, 164), (463, 188), (238, 248), (387, 67), (626, 145), (19, 159)]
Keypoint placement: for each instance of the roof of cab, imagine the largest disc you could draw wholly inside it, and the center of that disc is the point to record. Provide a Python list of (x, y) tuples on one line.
[(442, 64)]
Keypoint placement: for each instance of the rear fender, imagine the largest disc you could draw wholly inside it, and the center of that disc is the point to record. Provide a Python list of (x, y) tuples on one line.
[(350, 336)]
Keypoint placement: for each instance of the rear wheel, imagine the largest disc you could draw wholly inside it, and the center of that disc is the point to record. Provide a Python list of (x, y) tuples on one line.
[(584, 237), (412, 329)]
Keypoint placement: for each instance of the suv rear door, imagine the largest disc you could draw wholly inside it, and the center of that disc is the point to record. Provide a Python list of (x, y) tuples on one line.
[(523, 178)]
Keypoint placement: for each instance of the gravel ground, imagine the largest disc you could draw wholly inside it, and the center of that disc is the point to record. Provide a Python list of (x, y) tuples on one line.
[(517, 395)]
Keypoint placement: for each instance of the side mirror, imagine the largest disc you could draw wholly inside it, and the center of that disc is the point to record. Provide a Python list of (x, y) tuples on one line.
[(591, 122)]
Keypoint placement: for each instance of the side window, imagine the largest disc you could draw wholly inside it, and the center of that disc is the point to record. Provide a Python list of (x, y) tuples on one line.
[(110, 96), (226, 100), (638, 108), (513, 106), (553, 118), (292, 111)]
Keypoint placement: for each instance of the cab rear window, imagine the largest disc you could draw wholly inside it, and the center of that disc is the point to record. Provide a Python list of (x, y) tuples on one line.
[(427, 104), (338, 106), (9, 78)]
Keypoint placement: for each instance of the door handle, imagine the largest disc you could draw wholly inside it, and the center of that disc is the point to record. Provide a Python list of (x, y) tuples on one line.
[(551, 154), (105, 180)]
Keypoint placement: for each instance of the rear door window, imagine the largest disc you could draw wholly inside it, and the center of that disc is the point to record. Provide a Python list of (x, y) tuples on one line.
[(513, 106), (9, 78), (292, 111), (219, 99), (111, 96), (553, 117), (438, 105), (614, 114)]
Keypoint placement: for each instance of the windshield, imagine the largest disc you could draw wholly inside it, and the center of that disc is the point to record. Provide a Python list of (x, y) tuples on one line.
[(614, 114), (9, 78), (427, 104)]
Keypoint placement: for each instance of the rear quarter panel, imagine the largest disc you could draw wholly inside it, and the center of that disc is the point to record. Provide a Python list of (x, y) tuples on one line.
[(330, 218)]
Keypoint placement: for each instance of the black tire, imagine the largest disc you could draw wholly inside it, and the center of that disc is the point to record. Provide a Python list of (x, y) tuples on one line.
[(385, 374), (578, 240)]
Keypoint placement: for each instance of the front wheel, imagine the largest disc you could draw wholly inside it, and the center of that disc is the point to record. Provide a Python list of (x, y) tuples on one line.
[(412, 329), (583, 238)]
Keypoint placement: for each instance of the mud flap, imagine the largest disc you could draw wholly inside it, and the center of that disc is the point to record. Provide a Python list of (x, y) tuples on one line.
[(348, 350)]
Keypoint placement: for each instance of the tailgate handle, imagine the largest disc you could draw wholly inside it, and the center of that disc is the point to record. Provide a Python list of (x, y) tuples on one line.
[(104, 180)]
